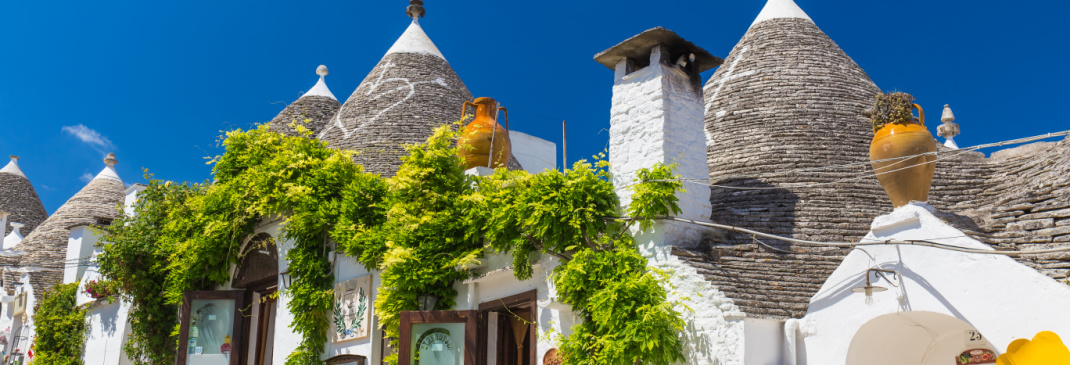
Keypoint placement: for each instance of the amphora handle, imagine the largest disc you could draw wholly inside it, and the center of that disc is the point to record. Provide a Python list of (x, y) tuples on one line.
[(506, 117), (464, 109), (921, 114)]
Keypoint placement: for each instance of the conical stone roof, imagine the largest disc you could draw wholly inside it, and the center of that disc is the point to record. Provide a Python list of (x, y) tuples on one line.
[(316, 106), (410, 91), (46, 247), (788, 98), (19, 199)]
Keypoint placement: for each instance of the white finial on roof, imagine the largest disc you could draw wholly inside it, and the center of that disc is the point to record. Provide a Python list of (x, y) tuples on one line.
[(109, 171), (948, 129), (320, 89), (781, 9), (415, 10), (414, 40), (13, 167), (13, 238)]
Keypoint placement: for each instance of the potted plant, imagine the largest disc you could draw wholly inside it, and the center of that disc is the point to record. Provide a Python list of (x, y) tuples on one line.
[(902, 152), (98, 289)]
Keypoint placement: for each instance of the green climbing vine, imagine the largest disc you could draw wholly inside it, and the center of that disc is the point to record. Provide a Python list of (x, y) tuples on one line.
[(424, 229), (191, 234), (603, 277), (136, 258), (60, 327)]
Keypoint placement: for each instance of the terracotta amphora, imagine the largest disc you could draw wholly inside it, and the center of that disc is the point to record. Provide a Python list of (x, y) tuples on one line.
[(484, 137), (903, 159)]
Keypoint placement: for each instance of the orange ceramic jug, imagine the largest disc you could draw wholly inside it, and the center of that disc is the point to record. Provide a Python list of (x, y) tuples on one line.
[(484, 138), (903, 159)]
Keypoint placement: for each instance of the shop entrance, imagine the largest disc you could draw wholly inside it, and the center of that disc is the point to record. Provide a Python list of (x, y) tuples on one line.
[(258, 274), (919, 337), (510, 333)]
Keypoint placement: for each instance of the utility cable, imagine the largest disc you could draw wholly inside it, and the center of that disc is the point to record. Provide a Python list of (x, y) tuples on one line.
[(925, 243)]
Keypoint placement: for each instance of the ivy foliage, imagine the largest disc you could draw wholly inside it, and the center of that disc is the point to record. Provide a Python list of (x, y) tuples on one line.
[(191, 235), (136, 259), (60, 326), (424, 229), (628, 317)]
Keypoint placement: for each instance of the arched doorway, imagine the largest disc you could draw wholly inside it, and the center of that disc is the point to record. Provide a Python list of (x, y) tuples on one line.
[(919, 337), (258, 274)]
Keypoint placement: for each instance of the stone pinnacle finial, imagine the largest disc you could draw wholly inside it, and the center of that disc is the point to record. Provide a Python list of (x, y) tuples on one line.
[(110, 160), (948, 116), (322, 70), (14, 158), (415, 9), (949, 129)]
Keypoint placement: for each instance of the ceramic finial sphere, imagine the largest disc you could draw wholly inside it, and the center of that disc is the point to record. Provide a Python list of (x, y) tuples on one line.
[(110, 160), (322, 70)]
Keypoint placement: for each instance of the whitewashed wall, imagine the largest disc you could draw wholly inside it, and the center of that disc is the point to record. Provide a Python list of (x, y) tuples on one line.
[(1000, 297), (534, 154), (80, 244), (657, 116)]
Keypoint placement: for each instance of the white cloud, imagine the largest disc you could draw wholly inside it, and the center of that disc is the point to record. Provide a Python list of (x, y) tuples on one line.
[(86, 177), (89, 136)]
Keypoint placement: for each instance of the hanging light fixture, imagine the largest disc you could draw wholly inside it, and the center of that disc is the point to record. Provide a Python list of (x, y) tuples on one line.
[(869, 289)]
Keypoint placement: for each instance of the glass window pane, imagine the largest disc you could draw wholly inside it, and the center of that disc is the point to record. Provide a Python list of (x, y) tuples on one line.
[(437, 344), (210, 327)]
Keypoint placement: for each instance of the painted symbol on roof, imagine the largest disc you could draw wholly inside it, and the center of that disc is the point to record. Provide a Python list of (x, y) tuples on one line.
[(379, 89)]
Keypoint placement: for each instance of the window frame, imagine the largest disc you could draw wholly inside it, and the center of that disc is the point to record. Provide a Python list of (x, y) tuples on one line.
[(236, 341)]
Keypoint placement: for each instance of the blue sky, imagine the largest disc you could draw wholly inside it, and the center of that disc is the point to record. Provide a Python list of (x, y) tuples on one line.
[(157, 82)]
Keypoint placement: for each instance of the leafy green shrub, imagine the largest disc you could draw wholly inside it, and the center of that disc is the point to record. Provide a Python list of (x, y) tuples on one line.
[(60, 326)]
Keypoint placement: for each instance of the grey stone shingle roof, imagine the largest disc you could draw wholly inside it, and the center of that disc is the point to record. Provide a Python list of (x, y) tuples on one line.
[(46, 247), (19, 199), (316, 110), (787, 97), (410, 91), (317, 106)]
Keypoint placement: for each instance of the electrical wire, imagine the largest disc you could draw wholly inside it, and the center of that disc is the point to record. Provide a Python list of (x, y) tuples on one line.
[(860, 175), (925, 243)]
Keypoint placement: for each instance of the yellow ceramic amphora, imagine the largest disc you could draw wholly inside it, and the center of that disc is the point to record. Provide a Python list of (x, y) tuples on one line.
[(484, 138), (902, 157)]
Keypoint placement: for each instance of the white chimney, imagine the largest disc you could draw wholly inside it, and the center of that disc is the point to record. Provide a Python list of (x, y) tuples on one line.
[(657, 116), (15, 237)]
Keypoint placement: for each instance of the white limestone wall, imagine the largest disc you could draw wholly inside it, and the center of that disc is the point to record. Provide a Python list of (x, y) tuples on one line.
[(24, 321), (714, 332), (1000, 297), (553, 319), (106, 333), (657, 116), (81, 244), (765, 341), (534, 154)]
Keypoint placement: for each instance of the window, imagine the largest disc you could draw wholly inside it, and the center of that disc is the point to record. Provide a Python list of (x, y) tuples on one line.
[(211, 330)]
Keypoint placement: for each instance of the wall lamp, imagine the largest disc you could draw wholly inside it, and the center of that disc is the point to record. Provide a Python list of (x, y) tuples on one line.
[(869, 289)]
